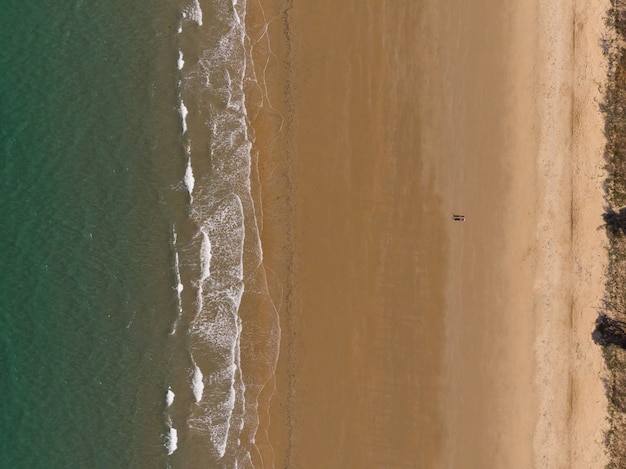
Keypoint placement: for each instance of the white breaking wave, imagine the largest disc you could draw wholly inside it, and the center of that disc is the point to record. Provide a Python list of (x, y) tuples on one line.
[(171, 440), (222, 220), (196, 12), (206, 255), (217, 325), (215, 418), (179, 284), (169, 397), (223, 211), (189, 180), (197, 385), (225, 232), (193, 12)]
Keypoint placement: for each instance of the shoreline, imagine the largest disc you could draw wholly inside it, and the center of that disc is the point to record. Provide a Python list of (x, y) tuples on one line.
[(272, 189), (550, 259)]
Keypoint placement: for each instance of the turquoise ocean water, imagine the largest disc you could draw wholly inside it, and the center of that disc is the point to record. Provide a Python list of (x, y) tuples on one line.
[(102, 228)]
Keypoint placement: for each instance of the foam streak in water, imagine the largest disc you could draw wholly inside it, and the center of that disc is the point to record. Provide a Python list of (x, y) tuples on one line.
[(179, 284), (183, 115)]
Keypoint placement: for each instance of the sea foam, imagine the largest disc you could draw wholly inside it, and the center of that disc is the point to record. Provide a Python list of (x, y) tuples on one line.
[(197, 385), (221, 217), (193, 12), (215, 418), (179, 287), (169, 397), (171, 440), (205, 256), (225, 247), (183, 115), (189, 180)]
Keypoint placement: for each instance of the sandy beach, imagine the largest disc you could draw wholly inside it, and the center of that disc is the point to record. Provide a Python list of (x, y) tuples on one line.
[(408, 339)]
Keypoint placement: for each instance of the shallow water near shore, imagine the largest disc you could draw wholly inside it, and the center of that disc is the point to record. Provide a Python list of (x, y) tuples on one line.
[(121, 286)]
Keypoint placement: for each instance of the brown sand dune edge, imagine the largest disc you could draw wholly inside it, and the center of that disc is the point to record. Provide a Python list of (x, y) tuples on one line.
[(511, 377)]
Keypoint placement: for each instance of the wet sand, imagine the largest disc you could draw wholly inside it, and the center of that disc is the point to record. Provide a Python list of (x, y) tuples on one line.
[(410, 340)]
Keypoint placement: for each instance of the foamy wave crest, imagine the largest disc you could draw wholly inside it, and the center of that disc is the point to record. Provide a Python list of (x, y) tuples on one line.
[(171, 437), (179, 284), (197, 384), (181, 62), (226, 247), (171, 440), (205, 256), (189, 180), (193, 12), (216, 329), (215, 419), (223, 237), (169, 397)]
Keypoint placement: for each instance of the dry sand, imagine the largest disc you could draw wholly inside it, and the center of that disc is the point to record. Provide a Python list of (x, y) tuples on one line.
[(409, 340)]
